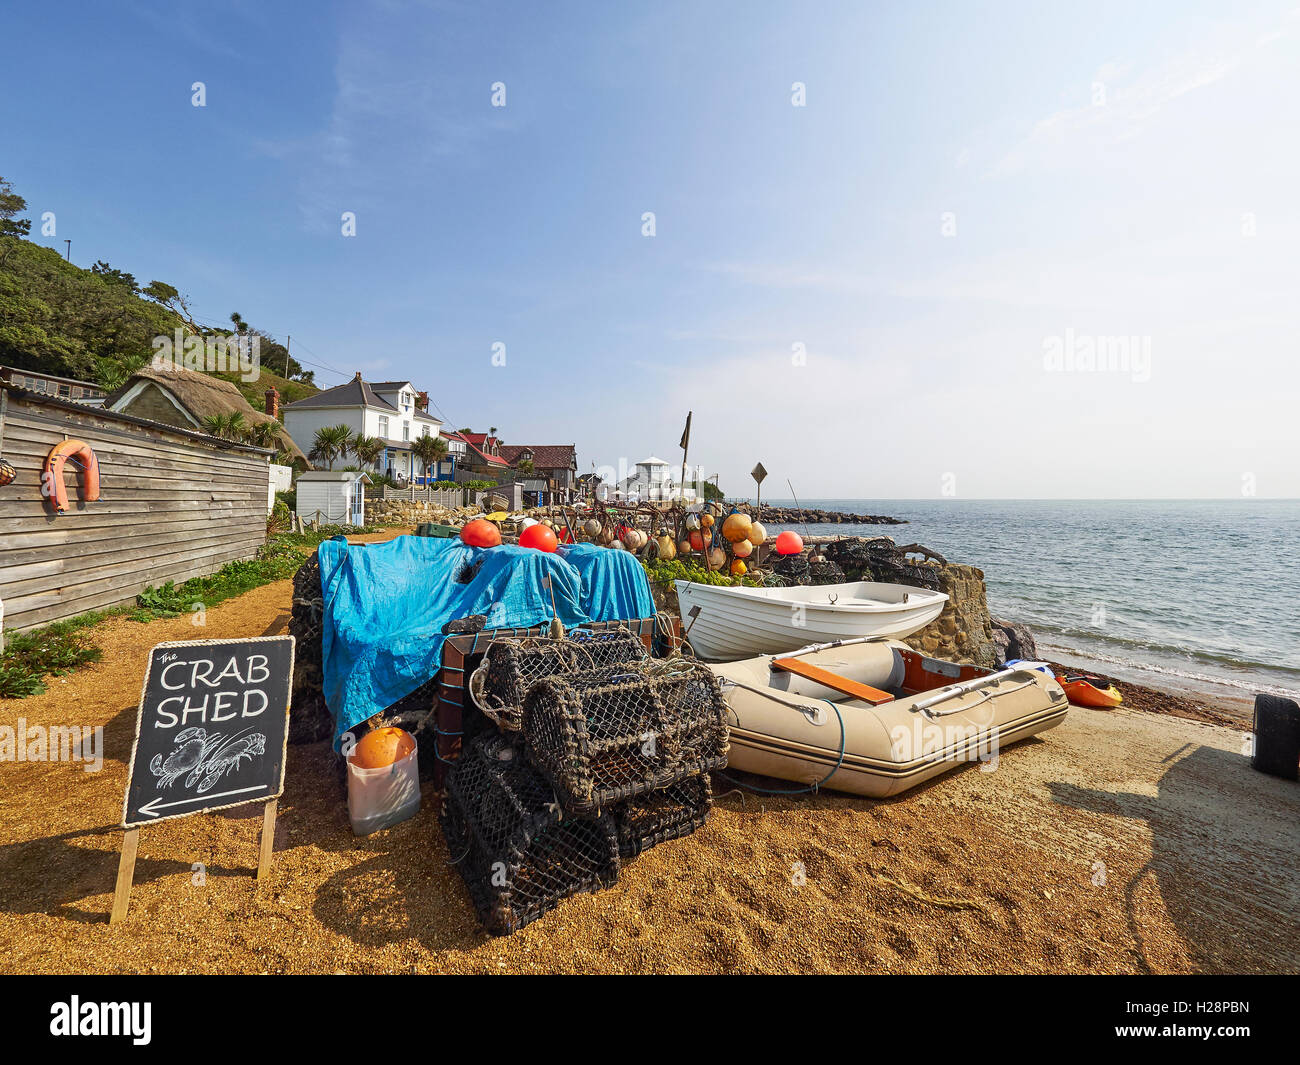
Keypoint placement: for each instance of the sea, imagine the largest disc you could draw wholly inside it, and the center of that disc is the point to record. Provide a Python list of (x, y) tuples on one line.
[(1199, 596)]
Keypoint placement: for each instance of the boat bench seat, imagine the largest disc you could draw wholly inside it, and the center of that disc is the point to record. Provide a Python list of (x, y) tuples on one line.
[(825, 677)]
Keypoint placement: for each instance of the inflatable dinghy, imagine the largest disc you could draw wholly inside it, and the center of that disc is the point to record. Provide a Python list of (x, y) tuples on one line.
[(874, 717)]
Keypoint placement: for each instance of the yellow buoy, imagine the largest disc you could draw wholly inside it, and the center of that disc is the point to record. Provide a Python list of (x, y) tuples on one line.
[(736, 527), (738, 568), (757, 534)]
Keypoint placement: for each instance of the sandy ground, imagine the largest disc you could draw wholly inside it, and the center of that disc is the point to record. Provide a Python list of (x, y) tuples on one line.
[(1121, 841)]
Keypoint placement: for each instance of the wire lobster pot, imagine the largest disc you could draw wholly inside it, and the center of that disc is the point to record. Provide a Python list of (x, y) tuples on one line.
[(518, 854), (603, 736), (666, 813), (511, 667)]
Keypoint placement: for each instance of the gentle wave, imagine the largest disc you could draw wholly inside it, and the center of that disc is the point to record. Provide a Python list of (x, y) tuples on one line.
[(1209, 657), (1251, 686)]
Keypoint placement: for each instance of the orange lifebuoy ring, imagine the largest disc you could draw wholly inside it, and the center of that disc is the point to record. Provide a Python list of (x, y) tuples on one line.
[(79, 451)]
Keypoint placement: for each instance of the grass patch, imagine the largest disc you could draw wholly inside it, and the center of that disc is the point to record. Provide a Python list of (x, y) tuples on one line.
[(30, 657)]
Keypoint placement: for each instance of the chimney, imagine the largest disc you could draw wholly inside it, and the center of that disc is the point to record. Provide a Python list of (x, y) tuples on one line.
[(273, 402), (422, 401)]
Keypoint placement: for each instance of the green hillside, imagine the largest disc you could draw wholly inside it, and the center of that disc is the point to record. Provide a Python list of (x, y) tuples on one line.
[(98, 324)]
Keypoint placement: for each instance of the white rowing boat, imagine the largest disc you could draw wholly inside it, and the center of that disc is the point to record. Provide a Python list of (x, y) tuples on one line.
[(873, 717), (735, 623)]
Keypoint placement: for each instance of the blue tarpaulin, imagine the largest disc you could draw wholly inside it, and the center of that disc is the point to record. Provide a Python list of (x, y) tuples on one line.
[(386, 604), (614, 585)]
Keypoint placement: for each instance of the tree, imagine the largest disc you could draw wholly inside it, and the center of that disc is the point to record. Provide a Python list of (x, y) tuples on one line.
[(115, 276), (331, 442), (228, 426), (368, 450), (169, 296), (265, 434), (11, 205), (430, 450)]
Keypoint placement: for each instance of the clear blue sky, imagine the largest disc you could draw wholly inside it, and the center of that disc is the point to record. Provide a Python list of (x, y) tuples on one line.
[(1103, 170)]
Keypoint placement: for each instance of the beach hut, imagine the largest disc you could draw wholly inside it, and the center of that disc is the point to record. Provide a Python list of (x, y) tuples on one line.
[(333, 497)]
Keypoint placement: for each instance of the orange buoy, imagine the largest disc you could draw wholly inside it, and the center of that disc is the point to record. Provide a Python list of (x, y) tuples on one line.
[(382, 747), (52, 477), (481, 533)]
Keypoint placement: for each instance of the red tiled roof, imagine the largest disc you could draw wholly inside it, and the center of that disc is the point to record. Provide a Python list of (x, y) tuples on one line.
[(545, 456)]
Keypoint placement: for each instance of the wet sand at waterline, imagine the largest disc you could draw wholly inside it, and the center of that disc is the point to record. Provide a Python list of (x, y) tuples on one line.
[(1121, 841)]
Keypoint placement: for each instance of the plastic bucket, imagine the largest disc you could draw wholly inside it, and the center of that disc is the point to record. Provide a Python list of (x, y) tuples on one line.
[(380, 798)]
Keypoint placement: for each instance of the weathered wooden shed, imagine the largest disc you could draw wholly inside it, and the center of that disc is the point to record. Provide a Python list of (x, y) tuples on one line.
[(174, 504)]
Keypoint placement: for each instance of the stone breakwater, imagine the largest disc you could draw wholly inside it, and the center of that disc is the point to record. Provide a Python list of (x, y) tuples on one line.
[(405, 512), (802, 515)]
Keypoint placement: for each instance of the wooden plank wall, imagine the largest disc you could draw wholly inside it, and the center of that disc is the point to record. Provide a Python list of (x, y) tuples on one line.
[(171, 507)]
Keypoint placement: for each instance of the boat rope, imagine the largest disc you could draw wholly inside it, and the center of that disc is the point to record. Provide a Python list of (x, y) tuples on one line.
[(839, 761)]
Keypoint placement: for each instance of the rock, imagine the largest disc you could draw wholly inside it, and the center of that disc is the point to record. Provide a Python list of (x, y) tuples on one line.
[(1013, 640)]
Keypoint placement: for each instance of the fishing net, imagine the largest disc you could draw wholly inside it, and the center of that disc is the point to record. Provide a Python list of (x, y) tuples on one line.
[(605, 735), (661, 815), (517, 852), (512, 666)]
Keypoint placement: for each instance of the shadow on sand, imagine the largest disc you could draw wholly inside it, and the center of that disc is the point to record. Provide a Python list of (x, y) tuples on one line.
[(1224, 841)]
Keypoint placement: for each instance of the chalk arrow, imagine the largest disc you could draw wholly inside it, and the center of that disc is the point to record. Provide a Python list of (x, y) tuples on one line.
[(152, 807)]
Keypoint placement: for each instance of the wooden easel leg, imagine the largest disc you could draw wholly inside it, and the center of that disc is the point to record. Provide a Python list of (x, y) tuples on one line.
[(268, 839), (125, 874)]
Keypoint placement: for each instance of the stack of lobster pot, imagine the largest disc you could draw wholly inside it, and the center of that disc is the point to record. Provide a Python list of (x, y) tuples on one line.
[(585, 753)]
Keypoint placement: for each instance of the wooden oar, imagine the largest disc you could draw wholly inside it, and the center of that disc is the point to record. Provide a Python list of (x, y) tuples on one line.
[(825, 677)]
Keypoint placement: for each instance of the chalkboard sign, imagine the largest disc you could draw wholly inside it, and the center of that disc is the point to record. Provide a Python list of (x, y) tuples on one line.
[(212, 727)]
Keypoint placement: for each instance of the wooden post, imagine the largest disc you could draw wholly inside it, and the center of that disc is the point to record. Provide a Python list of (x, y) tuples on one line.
[(125, 874), (268, 840)]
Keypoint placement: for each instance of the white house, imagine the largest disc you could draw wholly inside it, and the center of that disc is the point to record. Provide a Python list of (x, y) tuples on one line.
[(393, 411), (652, 483)]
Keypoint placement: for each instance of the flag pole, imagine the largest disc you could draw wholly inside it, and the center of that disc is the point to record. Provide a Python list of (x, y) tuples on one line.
[(686, 443)]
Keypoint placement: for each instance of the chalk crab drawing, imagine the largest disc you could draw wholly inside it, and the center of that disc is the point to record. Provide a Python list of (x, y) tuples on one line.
[(201, 755)]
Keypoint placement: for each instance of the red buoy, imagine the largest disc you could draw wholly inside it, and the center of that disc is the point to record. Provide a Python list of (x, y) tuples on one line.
[(789, 543), (539, 536)]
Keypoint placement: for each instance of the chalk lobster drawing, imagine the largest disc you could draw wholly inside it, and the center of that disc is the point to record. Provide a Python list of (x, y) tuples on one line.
[(201, 755)]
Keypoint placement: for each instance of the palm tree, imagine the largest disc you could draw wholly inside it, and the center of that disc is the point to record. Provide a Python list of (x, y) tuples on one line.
[(265, 434), (228, 426), (368, 450), (430, 450), (331, 442)]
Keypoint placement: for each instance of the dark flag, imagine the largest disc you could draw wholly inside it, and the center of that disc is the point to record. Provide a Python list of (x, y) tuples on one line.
[(686, 433)]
